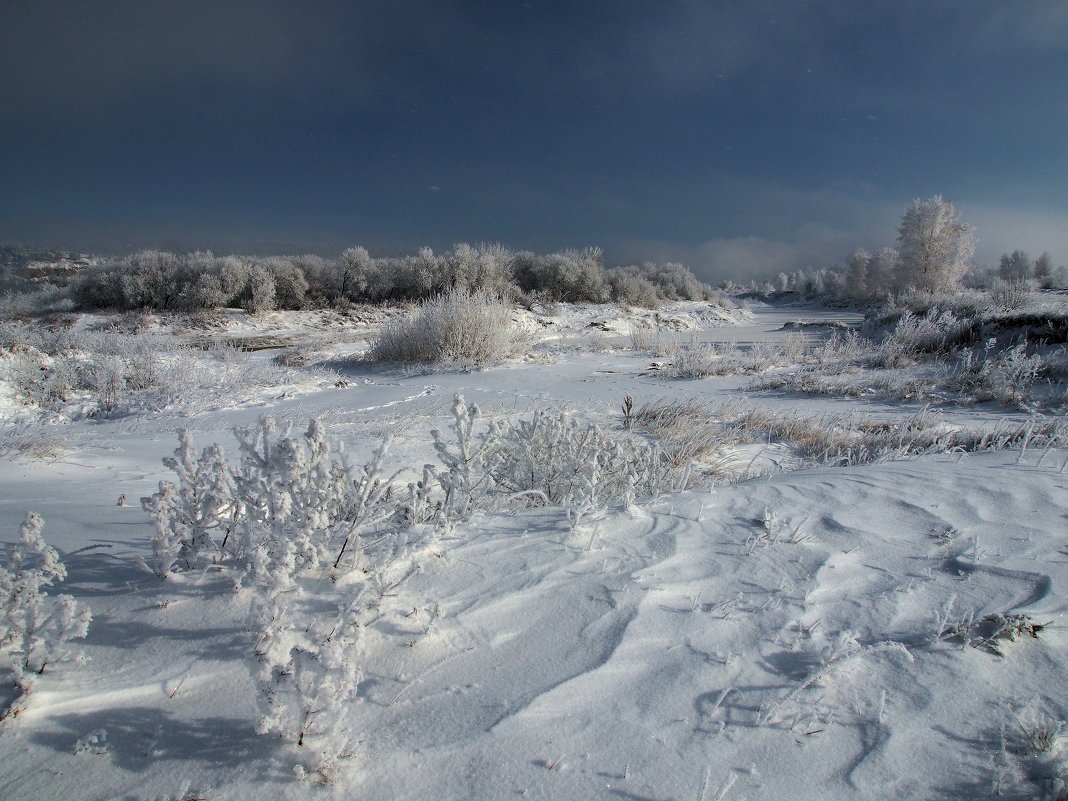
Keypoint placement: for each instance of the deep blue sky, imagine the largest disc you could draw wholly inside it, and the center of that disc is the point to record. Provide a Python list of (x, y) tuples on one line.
[(740, 138)]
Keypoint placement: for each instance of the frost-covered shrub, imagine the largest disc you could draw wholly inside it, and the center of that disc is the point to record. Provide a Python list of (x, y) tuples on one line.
[(50, 367), (106, 381), (701, 361), (421, 504), (308, 671), (146, 279), (112, 373), (1010, 295), (631, 288), (35, 628), (301, 502), (457, 327), (570, 276), (465, 459), (486, 267), (33, 301), (1002, 375), (195, 517), (292, 505), (675, 282), (564, 462), (200, 280), (937, 332), (308, 674), (32, 379)]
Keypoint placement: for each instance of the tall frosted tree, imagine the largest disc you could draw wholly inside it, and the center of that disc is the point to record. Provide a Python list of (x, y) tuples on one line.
[(1043, 270), (857, 274), (884, 273), (1015, 266), (933, 245)]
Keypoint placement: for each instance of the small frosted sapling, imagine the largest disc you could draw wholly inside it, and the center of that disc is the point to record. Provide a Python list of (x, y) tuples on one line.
[(35, 628), (194, 516), (307, 676), (465, 459), (421, 505)]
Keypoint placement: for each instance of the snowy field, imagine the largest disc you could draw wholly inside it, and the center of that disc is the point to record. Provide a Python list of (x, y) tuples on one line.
[(816, 603)]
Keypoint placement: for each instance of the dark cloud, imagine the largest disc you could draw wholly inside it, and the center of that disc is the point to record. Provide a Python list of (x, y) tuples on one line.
[(757, 132)]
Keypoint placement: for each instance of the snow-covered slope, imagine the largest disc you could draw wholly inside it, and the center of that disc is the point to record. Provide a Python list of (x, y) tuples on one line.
[(814, 634)]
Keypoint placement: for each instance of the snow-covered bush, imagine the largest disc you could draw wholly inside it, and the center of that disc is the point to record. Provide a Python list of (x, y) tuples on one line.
[(1010, 295), (112, 373), (701, 361), (422, 503), (35, 628), (936, 332), (465, 460), (457, 327), (1002, 375), (571, 276), (200, 280), (302, 504), (308, 672), (290, 506), (196, 516), (555, 458), (630, 288)]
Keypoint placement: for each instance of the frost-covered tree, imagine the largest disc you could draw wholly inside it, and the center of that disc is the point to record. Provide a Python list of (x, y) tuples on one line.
[(260, 295), (205, 292), (290, 285), (933, 245), (233, 274), (857, 274), (1015, 266), (883, 274), (1059, 278), (1043, 270), (354, 273)]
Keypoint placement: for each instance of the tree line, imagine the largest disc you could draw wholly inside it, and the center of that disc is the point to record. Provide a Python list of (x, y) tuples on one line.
[(932, 254), (200, 280)]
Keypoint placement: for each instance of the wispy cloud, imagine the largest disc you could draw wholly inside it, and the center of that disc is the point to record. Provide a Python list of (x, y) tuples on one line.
[(1036, 24), (1002, 228), (82, 58)]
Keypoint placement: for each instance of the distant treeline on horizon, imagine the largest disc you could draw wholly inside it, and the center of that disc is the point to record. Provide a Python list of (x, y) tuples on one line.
[(200, 280)]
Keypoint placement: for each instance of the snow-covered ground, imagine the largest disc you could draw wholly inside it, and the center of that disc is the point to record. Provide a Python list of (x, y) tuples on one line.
[(812, 633)]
